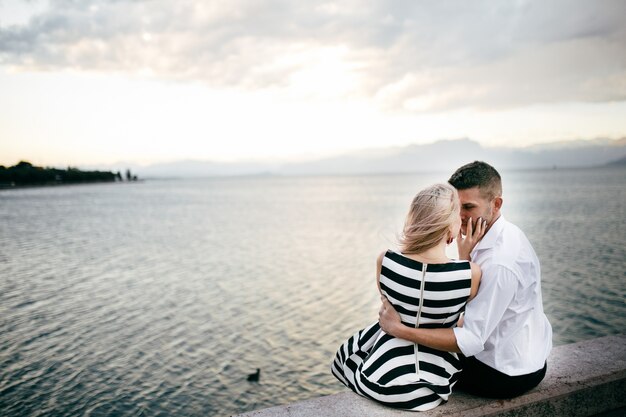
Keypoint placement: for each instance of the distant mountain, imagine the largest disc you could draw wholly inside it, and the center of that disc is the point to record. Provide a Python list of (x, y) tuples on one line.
[(443, 155), (579, 143), (619, 162)]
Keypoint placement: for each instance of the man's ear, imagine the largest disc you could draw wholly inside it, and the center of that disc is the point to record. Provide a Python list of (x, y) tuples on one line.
[(497, 204)]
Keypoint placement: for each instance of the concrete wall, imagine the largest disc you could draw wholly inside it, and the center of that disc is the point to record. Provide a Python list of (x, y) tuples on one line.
[(583, 379)]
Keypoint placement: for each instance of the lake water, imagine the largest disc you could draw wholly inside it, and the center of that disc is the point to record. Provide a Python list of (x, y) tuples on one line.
[(158, 298)]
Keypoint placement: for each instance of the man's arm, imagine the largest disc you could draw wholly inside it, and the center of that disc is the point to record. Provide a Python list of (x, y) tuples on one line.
[(485, 312), (442, 339), (482, 315)]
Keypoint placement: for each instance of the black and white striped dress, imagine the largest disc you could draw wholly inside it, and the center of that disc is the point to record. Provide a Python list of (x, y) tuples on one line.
[(397, 372)]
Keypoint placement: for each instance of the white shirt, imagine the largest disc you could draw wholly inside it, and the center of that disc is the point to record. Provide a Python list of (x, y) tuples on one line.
[(505, 326)]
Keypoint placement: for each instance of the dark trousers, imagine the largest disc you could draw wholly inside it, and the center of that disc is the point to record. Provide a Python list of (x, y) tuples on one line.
[(484, 381)]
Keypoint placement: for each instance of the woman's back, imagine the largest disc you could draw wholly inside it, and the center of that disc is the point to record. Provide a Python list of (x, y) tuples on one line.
[(445, 291), (395, 371)]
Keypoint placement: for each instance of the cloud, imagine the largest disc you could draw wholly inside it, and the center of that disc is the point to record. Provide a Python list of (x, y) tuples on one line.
[(415, 56)]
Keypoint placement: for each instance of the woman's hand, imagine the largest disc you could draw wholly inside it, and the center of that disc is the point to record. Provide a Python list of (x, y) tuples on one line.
[(388, 318), (466, 244)]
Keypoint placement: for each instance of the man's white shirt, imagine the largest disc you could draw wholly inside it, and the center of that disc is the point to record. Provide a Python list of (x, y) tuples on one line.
[(505, 326)]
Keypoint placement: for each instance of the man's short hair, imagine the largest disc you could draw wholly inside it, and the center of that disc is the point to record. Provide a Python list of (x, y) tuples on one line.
[(478, 174)]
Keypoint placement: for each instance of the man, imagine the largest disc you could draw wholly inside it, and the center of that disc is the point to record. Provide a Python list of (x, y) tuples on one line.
[(505, 338)]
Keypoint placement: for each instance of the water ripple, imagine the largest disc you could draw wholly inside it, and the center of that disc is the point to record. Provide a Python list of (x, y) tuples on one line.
[(159, 298)]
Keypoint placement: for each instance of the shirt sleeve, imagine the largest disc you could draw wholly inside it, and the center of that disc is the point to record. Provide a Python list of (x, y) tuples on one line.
[(482, 315)]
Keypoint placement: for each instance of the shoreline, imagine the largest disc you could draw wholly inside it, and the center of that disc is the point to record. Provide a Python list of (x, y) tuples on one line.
[(5, 187)]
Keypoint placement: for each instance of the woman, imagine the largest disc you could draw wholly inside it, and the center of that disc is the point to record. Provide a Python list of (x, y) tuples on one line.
[(428, 290)]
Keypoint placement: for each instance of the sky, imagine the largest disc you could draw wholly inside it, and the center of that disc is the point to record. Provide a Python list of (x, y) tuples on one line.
[(87, 82)]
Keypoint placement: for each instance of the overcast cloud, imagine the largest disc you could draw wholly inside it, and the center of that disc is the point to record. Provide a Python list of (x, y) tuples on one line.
[(411, 55)]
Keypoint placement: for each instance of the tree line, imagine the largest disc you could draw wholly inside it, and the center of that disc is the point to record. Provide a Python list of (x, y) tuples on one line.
[(25, 173)]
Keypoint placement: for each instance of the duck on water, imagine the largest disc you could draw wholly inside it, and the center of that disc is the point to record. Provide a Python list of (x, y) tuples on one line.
[(255, 376)]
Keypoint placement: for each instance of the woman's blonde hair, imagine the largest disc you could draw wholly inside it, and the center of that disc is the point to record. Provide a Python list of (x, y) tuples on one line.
[(432, 212)]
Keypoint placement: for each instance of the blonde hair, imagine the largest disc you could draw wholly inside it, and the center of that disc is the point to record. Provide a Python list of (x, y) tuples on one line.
[(430, 216)]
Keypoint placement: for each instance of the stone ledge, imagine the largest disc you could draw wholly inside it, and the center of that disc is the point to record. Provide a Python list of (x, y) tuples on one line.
[(583, 379)]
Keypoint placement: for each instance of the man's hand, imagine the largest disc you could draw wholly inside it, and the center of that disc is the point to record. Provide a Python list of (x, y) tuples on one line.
[(471, 239), (389, 318)]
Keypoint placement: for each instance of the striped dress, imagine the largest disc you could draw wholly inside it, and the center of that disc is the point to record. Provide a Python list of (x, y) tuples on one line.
[(397, 372)]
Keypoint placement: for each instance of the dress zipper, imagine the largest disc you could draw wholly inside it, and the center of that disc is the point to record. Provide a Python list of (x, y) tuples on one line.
[(419, 314)]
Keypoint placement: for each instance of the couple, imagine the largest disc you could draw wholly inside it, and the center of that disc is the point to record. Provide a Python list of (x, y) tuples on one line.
[(408, 359)]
